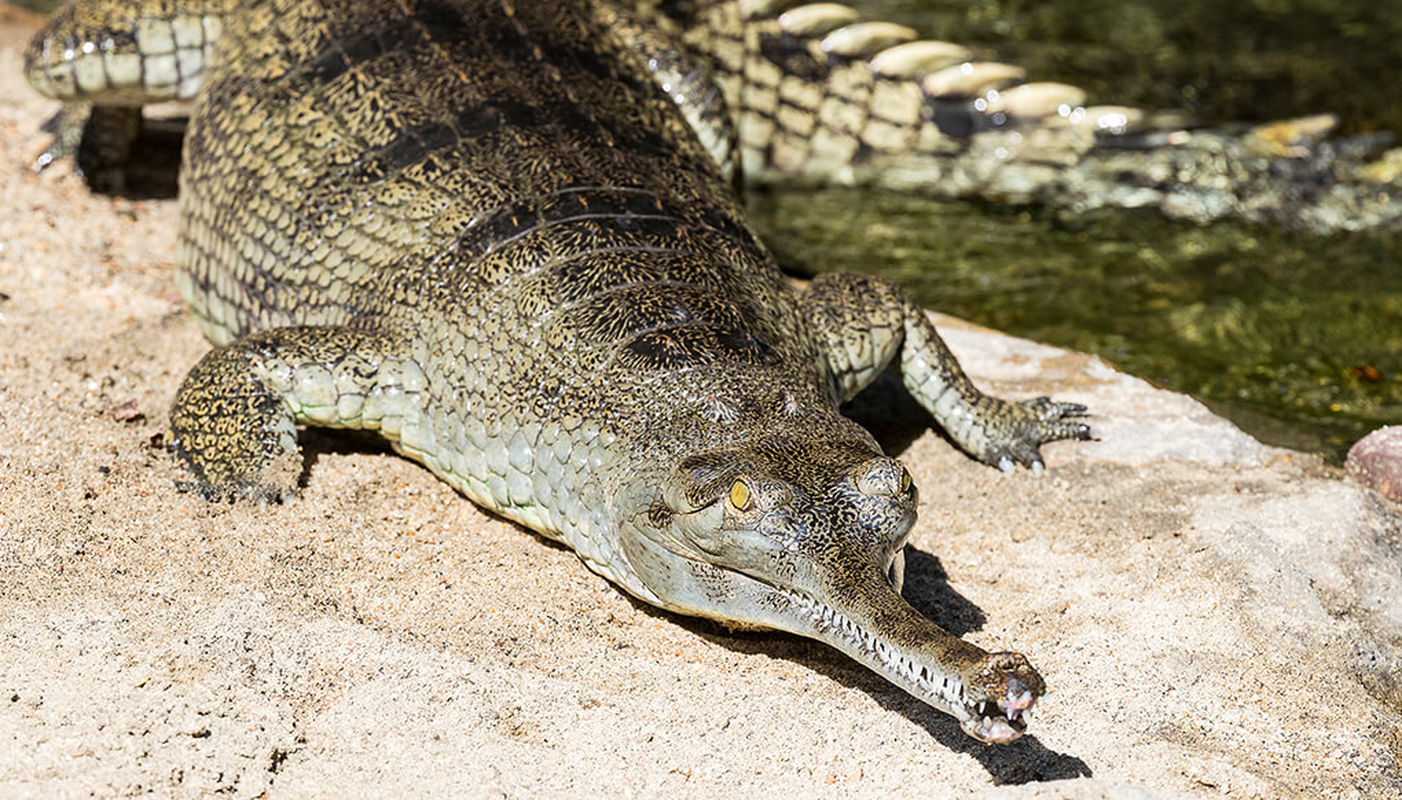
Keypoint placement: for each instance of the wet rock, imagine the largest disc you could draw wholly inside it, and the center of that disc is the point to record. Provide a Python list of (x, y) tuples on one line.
[(1376, 462)]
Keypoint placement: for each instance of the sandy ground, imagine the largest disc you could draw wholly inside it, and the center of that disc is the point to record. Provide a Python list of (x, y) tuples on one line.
[(1213, 617)]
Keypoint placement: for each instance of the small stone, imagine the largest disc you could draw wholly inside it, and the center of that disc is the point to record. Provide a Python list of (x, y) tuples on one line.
[(126, 412), (1376, 462)]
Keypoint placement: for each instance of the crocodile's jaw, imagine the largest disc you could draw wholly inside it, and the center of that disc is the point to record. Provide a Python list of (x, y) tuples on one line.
[(839, 588), (876, 626)]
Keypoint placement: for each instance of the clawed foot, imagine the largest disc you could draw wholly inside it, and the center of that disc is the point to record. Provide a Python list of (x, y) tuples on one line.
[(1018, 429), (98, 140), (66, 127), (1003, 690), (278, 481)]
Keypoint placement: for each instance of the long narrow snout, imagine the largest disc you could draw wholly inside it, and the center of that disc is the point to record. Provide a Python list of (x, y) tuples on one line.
[(865, 617), (808, 537)]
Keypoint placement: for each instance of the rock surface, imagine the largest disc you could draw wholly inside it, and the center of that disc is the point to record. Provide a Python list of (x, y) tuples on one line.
[(1213, 617)]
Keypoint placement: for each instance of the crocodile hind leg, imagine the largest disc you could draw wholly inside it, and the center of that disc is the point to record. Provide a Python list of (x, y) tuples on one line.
[(105, 59), (235, 415), (99, 139), (864, 323)]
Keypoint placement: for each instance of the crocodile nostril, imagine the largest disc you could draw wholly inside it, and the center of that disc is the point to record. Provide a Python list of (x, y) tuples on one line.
[(882, 476)]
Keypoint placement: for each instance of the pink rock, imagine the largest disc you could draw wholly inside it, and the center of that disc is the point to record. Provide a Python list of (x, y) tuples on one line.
[(1376, 462)]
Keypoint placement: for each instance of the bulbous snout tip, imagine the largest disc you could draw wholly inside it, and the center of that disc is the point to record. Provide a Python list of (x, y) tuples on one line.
[(882, 477)]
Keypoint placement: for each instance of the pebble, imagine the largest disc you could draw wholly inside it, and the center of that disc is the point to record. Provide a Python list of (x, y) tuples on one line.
[(1376, 462)]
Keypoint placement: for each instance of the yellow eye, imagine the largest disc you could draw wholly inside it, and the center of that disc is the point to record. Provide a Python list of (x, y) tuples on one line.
[(905, 480), (740, 498)]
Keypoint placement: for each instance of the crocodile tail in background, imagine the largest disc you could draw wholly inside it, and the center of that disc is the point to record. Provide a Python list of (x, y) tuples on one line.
[(821, 96)]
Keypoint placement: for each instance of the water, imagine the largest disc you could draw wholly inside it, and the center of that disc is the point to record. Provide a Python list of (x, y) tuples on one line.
[(1298, 339), (41, 6), (1223, 60)]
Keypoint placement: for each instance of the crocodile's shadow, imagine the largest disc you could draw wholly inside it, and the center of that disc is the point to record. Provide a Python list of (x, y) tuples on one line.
[(894, 418), (1024, 761), (151, 170)]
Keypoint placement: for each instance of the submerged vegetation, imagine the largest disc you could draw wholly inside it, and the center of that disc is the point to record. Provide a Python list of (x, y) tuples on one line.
[(1296, 338)]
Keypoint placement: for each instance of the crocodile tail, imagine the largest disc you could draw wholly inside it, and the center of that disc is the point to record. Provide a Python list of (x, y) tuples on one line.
[(689, 76), (821, 96), (119, 53)]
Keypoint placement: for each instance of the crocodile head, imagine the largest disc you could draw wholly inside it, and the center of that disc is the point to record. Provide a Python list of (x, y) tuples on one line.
[(807, 536)]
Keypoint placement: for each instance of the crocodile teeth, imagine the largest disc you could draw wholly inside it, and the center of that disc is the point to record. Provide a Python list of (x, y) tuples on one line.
[(913, 59), (1015, 712), (816, 19), (866, 38), (920, 677)]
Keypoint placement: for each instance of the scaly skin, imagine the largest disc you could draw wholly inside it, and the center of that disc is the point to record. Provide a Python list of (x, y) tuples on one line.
[(105, 60), (484, 230), (821, 95), (813, 93)]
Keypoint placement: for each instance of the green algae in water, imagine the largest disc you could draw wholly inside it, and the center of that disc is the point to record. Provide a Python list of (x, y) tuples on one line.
[(1296, 338)]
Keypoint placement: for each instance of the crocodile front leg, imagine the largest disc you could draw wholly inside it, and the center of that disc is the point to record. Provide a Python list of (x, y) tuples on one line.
[(864, 323), (234, 418)]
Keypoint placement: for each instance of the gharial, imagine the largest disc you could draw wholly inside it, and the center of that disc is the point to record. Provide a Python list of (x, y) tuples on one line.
[(505, 235)]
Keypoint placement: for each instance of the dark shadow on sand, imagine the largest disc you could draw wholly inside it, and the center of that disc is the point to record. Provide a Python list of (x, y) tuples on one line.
[(151, 171), (927, 589), (890, 413)]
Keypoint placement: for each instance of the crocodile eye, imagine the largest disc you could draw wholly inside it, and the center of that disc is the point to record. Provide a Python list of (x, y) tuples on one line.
[(740, 498)]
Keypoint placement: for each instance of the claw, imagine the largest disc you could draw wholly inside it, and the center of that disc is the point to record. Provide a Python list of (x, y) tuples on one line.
[(1075, 430), (67, 128), (45, 160), (1073, 410), (1025, 426)]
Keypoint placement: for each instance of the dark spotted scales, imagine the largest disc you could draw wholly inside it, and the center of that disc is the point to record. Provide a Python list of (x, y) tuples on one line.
[(487, 231)]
